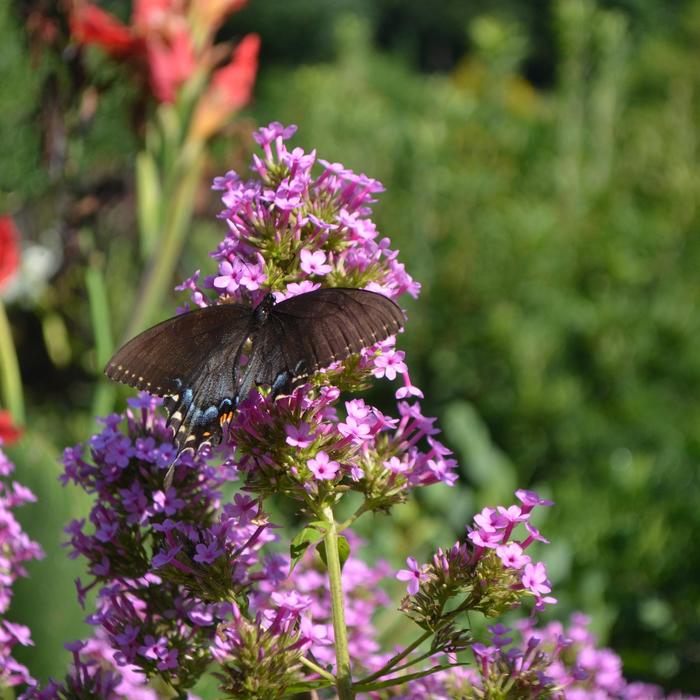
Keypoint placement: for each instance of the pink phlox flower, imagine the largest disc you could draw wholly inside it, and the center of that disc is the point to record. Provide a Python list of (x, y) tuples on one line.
[(208, 553), (357, 408), (167, 502), (415, 575), (359, 430), (603, 665), (534, 534), (298, 159), (322, 467), (512, 556), (485, 655), (408, 389), (489, 539), (294, 289), (228, 279), (535, 579), (513, 514), (389, 364), (166, 556), (323, 225), (490, 520), (20, 495), (299, 436), (244, 509), (252, 276), (314, 634), (441, 469), (119, 451), (314, 262), (265, 135), (19, 633), (530, 499), (291, 600), (395, 465), (287, 196)]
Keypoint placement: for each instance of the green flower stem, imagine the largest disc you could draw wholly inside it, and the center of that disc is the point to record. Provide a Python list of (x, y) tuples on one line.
[(366, 506), (342, 655), (388, 667), (362, 688), (180, 204), (317, 669), (12, 395)]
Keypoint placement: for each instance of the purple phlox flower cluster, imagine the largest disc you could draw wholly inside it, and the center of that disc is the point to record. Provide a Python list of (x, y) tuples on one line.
[(297, 224), (489, 572), (300, 445), (16, 548), (538, 662), (165, 558), (291, 230), (363, 597), (315, 211), (263, 651), (580, 669), (123, 466), (493, 530), (96, 673)]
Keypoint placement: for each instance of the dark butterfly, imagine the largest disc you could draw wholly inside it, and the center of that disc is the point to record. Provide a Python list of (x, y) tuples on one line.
[(193, 360)]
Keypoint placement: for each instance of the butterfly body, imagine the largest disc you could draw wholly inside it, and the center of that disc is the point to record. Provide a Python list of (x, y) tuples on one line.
[(195, 360)]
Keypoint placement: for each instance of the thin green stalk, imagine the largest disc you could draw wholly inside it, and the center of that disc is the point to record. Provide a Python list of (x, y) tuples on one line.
[(400, 680), (12, 394), (317, 669), (342, 655), (158, 276), (388, 667)]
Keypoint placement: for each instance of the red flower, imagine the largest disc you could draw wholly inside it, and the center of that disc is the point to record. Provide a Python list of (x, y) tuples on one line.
[(158, 36), (234, 82), (9, 251), (90, 24), (8, 432), (171, 61), (230, 88)]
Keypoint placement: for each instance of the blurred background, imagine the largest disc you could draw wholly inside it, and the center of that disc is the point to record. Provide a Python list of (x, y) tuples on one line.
[(542, 175)]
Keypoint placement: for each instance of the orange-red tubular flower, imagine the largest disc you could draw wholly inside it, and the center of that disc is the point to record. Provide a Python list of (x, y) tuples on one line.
[(9, 250), (158, 36), (171, 61), (90, 24), (230, 89)]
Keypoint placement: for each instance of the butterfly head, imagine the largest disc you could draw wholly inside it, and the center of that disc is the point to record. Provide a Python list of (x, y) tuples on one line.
[(263, 309)]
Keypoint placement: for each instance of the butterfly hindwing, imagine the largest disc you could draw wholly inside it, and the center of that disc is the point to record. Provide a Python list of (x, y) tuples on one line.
[(189, 360)]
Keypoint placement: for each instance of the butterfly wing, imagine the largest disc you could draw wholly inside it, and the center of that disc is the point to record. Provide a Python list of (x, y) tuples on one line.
[(191, 361), (310, 331)]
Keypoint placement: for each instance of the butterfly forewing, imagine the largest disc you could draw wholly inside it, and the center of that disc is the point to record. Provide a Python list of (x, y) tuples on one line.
[(315, 329), (164, 357)]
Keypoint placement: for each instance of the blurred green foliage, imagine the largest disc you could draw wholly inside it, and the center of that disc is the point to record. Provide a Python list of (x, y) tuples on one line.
[(554, 228)]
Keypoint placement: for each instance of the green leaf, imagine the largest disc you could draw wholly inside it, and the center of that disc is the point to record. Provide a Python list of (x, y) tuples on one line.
[(308, 536), (343, 551)]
